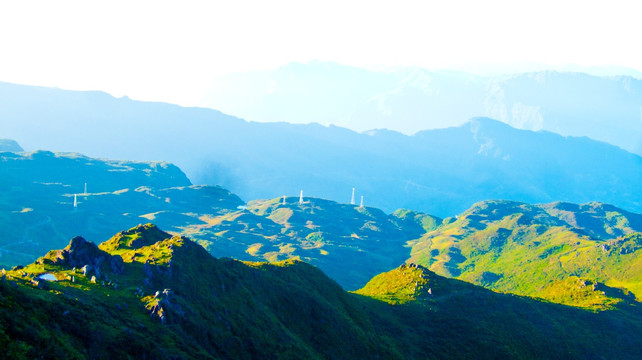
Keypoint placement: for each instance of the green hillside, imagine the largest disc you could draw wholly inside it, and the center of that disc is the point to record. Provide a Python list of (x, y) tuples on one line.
[(147, 294), (349, 243), (506, 326), (538, 250)]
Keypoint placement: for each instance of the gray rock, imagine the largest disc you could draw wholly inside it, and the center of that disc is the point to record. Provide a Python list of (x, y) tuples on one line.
[(82, 253), (85, 269), (164, 306)]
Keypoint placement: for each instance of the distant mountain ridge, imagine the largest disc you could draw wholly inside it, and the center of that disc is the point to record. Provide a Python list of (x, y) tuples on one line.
[(9, 145), (499, 244), (440, 172), (349, 243), (39, 190), (545, 250), (605, 108)]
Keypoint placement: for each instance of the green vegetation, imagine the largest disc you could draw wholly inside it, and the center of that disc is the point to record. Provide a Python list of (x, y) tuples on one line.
[(524, 249), (174, 300), (348, 243), (411, 283), (538, 250), (170, 299)]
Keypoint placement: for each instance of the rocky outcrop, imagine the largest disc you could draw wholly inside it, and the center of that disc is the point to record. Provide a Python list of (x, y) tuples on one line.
[(164, 307), (85, 255)]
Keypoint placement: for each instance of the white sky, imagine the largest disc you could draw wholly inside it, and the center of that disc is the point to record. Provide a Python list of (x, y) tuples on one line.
[(170, 50)]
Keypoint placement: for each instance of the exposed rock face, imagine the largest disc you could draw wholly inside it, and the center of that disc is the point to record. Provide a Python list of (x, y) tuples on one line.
[(80, 252), (163, 305), (85, 269), (117, 265), (84, 254), (148, 270)]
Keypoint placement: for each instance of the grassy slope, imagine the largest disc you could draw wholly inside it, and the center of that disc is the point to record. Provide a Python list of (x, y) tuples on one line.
[(219, 307), (526, 249), (349, 243), (223, 308), (448, 311)]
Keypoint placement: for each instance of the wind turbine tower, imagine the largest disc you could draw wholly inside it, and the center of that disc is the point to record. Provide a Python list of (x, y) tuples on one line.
[(352, 200), (301, 197), (361, 206)]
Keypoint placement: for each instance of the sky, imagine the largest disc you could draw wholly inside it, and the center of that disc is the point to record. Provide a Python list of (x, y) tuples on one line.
[(170, 50)]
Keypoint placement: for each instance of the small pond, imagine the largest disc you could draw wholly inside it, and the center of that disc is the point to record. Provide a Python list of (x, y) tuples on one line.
[(48, 277)]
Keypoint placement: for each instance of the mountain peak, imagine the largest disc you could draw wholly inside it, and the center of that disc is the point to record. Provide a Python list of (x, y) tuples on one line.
[(10, 146), (135, 238), (410, 282), (486, 123)]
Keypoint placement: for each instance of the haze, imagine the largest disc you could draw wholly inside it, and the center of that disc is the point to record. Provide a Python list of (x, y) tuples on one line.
[(168, 51)]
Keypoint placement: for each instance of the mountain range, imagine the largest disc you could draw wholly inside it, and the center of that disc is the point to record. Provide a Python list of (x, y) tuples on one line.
[(539, 250), (504, 245), (409, 100), (37, 209), (147, 294), (215, 237), (440, 172), (503, 279)]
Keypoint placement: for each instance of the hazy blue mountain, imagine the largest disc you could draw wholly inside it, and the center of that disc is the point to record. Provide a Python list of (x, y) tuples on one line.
[(440, 172), (351, 244), (414, 99), (406, 100), (348, 242), (38, 190), (9, 145)]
